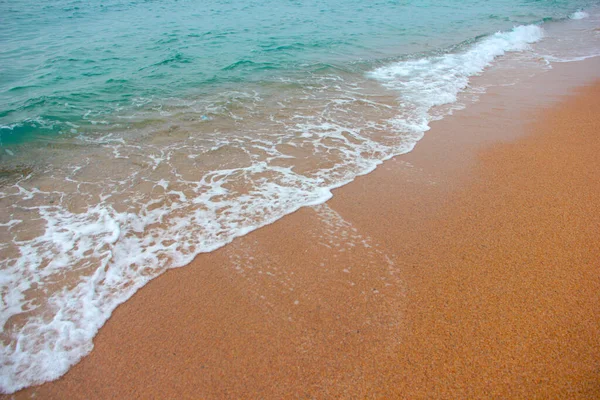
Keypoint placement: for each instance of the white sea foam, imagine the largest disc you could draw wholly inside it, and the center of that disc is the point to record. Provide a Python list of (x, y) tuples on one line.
[(429, 82), (83, 239), (567, 59), (574, 39), (579, 15)]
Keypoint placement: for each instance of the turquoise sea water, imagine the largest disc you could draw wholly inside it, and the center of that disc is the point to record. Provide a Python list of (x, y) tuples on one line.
[(78, 62), (135, 135)]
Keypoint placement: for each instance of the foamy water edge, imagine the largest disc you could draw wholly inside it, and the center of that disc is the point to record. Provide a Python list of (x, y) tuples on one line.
[(44, 350)]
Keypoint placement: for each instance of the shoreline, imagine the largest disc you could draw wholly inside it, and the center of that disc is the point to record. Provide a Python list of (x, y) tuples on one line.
[(371, 294)]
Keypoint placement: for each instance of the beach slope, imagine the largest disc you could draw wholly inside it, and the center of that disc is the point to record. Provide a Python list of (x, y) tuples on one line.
[(469, 268)]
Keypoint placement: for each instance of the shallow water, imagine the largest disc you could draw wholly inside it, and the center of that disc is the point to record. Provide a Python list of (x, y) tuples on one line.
[(70, 66), (136, 135)]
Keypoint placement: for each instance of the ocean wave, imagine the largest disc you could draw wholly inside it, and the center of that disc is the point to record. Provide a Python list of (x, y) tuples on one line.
[(434, 81), (250, 65)]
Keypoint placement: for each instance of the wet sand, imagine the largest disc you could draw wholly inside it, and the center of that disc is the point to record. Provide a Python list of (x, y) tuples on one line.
[(469, 268)]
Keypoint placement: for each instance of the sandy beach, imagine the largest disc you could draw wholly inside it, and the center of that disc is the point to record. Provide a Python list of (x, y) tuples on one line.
[(468, 268)]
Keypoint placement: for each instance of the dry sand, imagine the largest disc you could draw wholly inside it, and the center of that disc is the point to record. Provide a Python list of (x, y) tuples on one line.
[(468, 268)]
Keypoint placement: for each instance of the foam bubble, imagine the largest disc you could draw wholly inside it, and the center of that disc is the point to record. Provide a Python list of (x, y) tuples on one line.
[(579, 15)]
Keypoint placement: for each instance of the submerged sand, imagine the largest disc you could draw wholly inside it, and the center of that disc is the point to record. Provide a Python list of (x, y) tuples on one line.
[(468, 268)]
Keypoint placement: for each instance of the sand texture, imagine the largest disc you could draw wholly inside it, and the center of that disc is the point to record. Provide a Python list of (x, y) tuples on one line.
[(469, 268)]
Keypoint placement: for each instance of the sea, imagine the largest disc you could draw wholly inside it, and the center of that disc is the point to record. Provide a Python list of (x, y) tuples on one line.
[(136, 134)]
